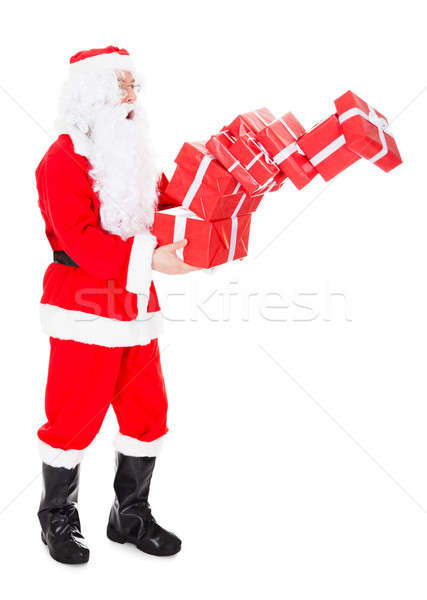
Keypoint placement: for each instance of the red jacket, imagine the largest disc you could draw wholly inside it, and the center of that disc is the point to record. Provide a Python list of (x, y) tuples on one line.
[(109, 299)]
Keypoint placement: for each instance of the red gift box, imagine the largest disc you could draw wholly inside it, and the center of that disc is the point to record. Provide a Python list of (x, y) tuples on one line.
[(279, 140), (219, 145), (254, 158), (201, 184), (205, 200), (245, 159), (326, 148), (367, 132), (209, 243), (277, 183), (251, 122), (196, 160)]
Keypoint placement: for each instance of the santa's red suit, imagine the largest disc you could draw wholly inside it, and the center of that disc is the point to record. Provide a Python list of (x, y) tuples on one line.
[(100, 309), (103, 317)]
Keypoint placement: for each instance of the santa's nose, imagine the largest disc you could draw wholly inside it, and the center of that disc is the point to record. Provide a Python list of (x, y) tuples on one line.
[(131, 96)]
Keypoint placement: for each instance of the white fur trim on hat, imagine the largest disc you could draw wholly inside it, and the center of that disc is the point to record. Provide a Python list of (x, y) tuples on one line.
[(130, 446), (101, 62)]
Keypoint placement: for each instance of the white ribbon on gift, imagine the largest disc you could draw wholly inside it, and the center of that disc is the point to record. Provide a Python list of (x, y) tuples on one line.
[(179, 233), (379, 122), (286, 152), (261, 118), (231, 138), (254, 160), (289, 150), (227, 135), (293, 134), (263, 152), (234, 225), (327, 151), (197, 181), (234, 165), (269, 186), (248, 166), (182, 215)]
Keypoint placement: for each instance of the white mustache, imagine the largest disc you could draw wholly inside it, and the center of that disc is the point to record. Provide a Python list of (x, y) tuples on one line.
[(117, 113), (125, 109)]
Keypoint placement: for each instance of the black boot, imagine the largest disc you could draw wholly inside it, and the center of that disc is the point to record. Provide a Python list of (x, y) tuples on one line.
[(130, 517), (58, 515)]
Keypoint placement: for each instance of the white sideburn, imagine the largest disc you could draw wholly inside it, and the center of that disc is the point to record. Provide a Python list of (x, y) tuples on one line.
[(132, 447), (55, 457)]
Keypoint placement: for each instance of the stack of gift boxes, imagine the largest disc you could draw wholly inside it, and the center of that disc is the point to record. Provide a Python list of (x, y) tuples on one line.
[(217, 185)]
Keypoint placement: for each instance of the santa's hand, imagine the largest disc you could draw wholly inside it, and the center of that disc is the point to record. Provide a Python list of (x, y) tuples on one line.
[(166, 261)]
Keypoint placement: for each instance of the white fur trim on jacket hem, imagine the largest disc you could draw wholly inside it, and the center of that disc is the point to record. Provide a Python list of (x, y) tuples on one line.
[(83, 327), (55, 457), (102, 62), (132, 447)]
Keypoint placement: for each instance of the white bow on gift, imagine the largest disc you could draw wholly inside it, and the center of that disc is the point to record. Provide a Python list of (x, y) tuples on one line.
[(379, 122)]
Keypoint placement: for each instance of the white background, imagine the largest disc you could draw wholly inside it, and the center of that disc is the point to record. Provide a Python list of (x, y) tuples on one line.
[(296, 465)]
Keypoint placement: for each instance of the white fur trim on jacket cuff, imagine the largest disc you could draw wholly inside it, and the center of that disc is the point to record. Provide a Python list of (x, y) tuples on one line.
[(139, 268), (55, 457), (132, 447)]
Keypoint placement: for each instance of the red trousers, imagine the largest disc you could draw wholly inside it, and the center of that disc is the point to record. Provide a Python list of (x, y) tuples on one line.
[(84, 379)]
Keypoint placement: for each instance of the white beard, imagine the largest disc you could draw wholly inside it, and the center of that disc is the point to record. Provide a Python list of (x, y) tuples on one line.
[(123, 169)]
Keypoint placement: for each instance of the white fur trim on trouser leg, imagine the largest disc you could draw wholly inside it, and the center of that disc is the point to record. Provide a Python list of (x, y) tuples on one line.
[(139, 269), (133, 447), (55, 457)]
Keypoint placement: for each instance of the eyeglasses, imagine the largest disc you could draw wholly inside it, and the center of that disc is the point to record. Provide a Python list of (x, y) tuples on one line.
[(135, 87)]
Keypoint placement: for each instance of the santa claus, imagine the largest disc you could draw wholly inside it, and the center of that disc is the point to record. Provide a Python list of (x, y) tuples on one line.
[(98, 188)]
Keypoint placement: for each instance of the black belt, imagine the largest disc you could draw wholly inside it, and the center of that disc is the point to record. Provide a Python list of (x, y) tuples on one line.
[(61, 257)]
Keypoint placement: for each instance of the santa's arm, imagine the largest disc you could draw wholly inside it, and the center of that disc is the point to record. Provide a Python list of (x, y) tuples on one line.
[(101, 254)]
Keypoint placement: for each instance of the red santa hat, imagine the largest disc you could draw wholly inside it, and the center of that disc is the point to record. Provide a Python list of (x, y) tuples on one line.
[(99, 59)]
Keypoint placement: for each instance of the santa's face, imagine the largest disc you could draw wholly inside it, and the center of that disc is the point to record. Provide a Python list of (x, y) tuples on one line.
[(128, 89)]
